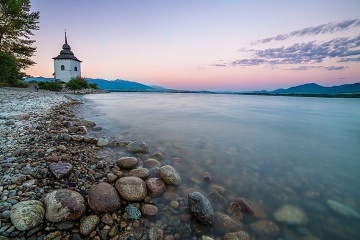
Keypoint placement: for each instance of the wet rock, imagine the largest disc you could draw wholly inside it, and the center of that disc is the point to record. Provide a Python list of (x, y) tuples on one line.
[(201, 207), (149, 210), (102, 142), (169, 175), (137, 147), (111, 178), (155, 233), (156, 187), (65, 226), (107, 219), (77, 138), (127, 162), (152, 163), (131, 188), (27, 214), (133, 212), (291, 215), (64, 205), (18, 179), (53, 235), (97, 128), (61, 170), (224, 223), (103, 198), (240, 235), (142, 173), (265, 228), (342, 209), (89, 224)]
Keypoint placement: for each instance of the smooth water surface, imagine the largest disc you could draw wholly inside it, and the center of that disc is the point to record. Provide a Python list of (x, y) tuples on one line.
[(272, 150)]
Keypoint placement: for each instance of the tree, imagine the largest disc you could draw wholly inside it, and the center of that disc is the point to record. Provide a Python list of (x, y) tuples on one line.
[(9, 69), (16, 25)]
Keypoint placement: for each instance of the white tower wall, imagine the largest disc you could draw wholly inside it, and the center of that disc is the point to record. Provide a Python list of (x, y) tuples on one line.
[(71, 68)]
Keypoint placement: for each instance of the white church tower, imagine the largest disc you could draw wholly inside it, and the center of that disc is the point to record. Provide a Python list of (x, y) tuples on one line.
[(66, 65)]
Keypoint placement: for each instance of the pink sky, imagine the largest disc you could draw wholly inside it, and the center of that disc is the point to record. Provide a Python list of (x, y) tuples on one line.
[(205, 44)]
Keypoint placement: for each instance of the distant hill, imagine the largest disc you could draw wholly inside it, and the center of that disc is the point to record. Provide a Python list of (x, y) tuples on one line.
[(39, 79), (313, 88), (118, 84), (115, 85)]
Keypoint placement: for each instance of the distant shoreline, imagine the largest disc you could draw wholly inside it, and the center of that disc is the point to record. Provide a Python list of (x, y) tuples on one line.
[(322, 95)]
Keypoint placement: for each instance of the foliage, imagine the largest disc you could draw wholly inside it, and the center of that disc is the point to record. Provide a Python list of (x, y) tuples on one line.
[(77, 83), (93, 86), (16, 25), (9, 69), (51, 86)]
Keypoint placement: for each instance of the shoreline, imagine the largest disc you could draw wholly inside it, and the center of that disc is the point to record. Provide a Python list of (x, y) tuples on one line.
[(40, 129)]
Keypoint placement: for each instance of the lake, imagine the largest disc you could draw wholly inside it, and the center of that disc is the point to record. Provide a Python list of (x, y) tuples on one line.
[(271, 150)]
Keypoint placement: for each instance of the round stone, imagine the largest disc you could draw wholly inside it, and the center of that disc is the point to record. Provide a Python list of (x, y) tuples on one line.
[(149, 210), (133, 212), (127, 162), (64, 205), (201, 207), (152, 163), (137, 147), (265, 228), (155, 186), (291, 215), (131, 188), (89, 224), (240, 235), (103, 198), (142, 173), (169, 175), (27, 214), (224, 223)]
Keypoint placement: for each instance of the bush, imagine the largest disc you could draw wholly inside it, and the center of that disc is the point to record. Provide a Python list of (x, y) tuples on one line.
[(93, 86), (77, 83), (51, 86)]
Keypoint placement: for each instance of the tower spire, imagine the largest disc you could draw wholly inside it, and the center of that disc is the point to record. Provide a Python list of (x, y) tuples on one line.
[(65, 37)]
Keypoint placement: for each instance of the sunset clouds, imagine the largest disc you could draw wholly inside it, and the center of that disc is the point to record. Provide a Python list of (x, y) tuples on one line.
[(205, 44)]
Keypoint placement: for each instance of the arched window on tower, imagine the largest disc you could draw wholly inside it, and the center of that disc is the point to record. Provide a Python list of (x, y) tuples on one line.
[(75, 69), (62, 67)]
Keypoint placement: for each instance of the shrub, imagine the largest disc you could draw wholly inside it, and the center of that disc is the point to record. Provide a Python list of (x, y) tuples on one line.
[(77, 83), (51, 86), (93, 86)]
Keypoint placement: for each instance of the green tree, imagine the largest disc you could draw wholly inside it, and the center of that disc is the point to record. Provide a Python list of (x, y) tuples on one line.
[(16, 25), (9, 70)]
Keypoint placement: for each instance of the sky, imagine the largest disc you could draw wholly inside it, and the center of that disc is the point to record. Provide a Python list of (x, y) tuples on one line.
[(224, 45)]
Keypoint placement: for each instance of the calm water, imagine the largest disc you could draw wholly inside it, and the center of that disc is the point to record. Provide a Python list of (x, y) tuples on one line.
[(272, 150)]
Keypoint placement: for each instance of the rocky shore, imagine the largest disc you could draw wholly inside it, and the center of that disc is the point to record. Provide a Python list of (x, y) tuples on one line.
[(61, 179)]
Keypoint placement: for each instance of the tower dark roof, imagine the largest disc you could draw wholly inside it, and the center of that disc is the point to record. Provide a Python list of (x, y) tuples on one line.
[(66, 53)]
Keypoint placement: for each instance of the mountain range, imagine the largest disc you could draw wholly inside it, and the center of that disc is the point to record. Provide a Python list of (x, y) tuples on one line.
[(124, 85), (313, 88)]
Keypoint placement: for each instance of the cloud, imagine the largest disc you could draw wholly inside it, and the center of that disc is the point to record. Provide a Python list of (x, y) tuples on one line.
[(305, 68), (335, 68), (341, 49), (311, 31)]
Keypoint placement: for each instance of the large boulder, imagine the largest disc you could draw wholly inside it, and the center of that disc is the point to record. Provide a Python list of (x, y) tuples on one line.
[(291, 215), (169, 175), (201, 207), (27, 214), (103, 198), (131, 188), (64, 205)]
